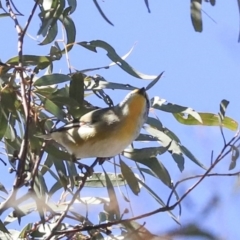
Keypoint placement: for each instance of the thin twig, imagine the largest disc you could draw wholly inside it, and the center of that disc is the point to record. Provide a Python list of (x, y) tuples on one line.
[(167, 207), (81, 185)]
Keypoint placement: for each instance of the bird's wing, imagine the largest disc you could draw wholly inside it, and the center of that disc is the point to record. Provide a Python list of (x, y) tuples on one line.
[(98, 116)]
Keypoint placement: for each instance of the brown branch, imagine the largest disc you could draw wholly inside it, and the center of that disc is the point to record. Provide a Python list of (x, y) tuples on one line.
[(26, 99), (80, 187), (217, 160), (167, 207), (26, 106)]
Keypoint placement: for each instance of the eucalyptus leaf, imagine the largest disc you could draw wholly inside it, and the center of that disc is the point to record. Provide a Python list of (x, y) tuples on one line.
[(130, 177), (111, 53), (196, 15), (208, 119), (51, 79)]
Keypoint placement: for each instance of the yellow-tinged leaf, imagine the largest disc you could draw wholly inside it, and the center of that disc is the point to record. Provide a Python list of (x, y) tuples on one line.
[(208, 119)]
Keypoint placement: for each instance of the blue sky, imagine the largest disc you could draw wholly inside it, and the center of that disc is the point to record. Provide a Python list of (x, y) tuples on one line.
[(201, 69)]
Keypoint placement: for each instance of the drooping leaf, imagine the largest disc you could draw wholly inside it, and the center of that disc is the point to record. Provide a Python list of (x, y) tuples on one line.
[(100, 83), (147, 5), (3, 189), (73, 5), (187, 153), (98, 180), (154, 81), (3, 123), (31, 60), (130, 177), (113, 207), (25, 231), (223, 106), (158, 199), (150, 161), (70, 29), (53, 108), (76, 88), (101, 12), (51, 34), (196, 15), (213, 2), (208, 119), (234, 157), (161, 104), (3, 229), (61, 171), (51, 79), (111, 53), (72, 172)]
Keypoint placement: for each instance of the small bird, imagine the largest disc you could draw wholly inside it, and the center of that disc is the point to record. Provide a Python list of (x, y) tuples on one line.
[(104, 133)]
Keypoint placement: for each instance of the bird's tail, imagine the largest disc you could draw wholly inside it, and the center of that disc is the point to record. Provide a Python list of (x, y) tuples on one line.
[(44, 136)]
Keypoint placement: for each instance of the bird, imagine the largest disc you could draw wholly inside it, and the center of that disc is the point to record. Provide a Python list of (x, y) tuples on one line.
[(104, 133)]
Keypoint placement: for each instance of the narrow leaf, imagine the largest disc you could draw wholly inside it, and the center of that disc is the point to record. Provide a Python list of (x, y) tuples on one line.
[(196, 14), (101, 12), (51, 79), (208, 119), (191, 156), (130, 177), (113, 205), (154, 81), (111, 53), (223, 106)]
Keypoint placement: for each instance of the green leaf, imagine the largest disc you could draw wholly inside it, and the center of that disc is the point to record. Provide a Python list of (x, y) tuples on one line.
[(51, 35), (53, 108), (56, 153), (130, 177), (111, 53), (31, 60), (177, 155), (73, 5), (50, 14), (145, 137), (100, 83), (191, 156), (223, 107), (70, 29), (47, 164), (25, 231), (213, 2), (234, 157), (62, 173), (3, 228), (113, 206), (3, 189), (4, 15), (158, 199), (51, 79), (147, 5), (56, 186), (101, 12), (3, 123), (98, 180), (150, 161), (162, 137), (154, 81), (196, 14), (40, 186), (143, 153), (161, 104), (72, 172), (208, 119), (76, 88), (172, 146), (192, 231)]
